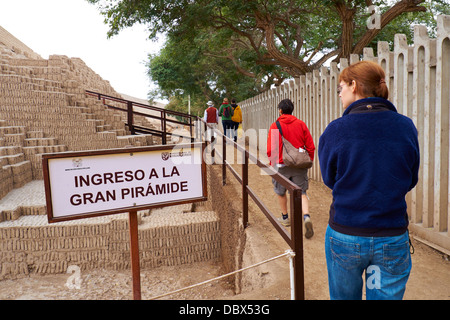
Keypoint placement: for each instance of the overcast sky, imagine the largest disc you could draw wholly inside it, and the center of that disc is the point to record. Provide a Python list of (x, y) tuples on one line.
[(75, 28)]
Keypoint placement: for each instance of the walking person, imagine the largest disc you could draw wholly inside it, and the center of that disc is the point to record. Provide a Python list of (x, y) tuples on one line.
[(226, 112), (370, 159), (297, 133), (236, 118), (211, 117)]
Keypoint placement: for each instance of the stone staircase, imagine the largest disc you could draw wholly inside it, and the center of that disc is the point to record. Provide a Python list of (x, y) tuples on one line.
[(44, 109), (21, 155)]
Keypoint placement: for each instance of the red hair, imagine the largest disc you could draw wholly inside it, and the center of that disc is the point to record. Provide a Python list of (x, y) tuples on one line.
[(369, 77)]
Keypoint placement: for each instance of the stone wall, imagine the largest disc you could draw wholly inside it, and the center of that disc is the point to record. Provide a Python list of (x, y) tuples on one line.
[(165, 239), (15, 45), (44, 109)]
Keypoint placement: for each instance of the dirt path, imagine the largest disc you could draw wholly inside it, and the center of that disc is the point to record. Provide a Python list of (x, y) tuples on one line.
[(430, 277)]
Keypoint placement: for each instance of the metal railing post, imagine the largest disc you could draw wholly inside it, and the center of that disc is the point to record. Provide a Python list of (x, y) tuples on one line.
[(297, 242), (192, 132), (212, 148), (244, 189), (163, 127), (224, 160), (130, 117)]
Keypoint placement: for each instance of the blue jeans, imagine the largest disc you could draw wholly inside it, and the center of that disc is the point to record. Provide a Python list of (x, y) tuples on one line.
[(227, 128), (385, 260)]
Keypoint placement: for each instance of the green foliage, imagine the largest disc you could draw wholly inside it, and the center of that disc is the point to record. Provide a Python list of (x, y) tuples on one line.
[(235, 48), (181, 70)]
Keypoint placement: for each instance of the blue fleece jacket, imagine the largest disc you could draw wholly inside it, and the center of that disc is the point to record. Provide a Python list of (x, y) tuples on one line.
[(370, 159)]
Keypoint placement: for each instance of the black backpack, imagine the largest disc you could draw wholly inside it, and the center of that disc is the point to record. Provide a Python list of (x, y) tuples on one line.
[(228, 112)]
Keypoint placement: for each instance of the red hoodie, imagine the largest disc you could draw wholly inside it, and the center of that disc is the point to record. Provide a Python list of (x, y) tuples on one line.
[(295, 131)]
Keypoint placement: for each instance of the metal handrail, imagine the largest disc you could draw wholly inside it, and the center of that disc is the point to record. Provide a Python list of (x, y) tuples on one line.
[(295, 238), (164, 116)]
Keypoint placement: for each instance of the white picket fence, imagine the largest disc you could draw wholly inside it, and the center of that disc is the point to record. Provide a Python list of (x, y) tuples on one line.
[(418, 77)]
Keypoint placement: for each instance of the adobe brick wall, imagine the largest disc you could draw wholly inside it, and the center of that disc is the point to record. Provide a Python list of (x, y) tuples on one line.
[(167, 236), (34, 247), (44, 109), (15, 44)]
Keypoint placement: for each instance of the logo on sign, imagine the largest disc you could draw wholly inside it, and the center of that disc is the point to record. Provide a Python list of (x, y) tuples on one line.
[(77, 163), (165, 156)]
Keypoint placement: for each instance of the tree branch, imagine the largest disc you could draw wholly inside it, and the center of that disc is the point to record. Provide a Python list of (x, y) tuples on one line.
[(395, 11), (236, 64)]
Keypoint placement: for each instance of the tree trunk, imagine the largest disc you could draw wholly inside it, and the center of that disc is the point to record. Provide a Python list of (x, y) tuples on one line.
[(347, 15), (295, 67)]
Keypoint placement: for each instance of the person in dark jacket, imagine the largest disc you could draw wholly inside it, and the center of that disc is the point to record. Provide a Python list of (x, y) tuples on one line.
[(370, 159), (297, 133)]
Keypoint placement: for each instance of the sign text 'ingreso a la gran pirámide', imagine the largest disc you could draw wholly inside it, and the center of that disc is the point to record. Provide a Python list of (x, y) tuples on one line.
[(92, 183)]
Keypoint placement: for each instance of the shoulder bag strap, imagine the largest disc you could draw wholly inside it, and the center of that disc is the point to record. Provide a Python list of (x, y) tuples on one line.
[(279, 127)]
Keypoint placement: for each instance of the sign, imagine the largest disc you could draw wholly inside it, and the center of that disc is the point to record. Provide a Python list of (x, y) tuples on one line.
[(92, 183)]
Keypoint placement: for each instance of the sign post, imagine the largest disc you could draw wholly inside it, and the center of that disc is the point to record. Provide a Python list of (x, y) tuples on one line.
[(134, 253), (95, 183)]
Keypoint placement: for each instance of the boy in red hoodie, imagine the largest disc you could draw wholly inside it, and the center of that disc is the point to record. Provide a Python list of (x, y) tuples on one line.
[(297, 133)]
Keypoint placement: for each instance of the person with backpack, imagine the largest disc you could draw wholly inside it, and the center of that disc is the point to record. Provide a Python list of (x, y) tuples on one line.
[(236, 118), (226, 112)]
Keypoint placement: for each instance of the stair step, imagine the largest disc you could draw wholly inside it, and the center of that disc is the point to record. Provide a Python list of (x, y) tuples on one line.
[(3, 163), (35, 134), (102, 128), (12, 130), (77, 109), (88, 116), (33, 142), (119, 132), (14, 159), (9, 150), (14, 139), (21, 172), (19, 164), (44, 149)]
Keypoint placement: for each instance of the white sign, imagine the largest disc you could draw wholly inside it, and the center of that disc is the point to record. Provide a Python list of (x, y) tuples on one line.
[(104, 182)]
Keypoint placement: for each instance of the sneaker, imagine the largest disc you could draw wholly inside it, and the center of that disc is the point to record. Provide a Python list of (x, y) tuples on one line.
[(284, 222), (309, 228)]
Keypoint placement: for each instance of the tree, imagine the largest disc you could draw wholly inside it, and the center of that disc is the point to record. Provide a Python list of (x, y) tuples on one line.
[(299, 36), (237, 48), (181, 70)]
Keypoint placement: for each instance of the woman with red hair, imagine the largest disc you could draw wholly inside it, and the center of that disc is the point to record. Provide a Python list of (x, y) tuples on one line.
[(370, 159)]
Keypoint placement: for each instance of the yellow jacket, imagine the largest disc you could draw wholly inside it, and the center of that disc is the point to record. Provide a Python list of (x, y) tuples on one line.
[(237, 116)]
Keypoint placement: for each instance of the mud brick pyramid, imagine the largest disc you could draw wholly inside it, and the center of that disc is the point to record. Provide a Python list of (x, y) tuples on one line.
[(44, 109)]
